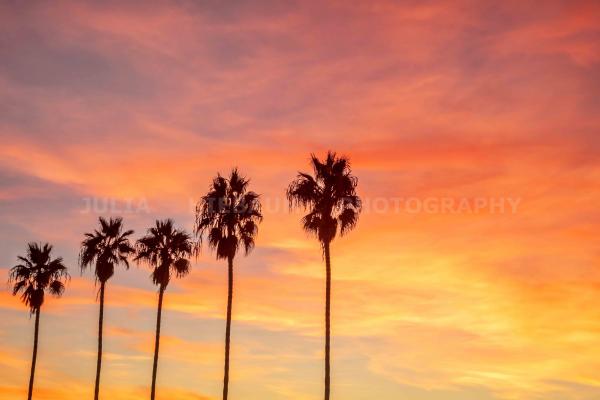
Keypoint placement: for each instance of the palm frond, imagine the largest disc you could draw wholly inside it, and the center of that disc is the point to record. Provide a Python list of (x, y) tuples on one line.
[(348, 219), (56, 288), (182, 267), (304, 191), (18, 286)]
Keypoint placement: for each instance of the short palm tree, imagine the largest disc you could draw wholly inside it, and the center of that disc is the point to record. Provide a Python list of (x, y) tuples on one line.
[(332, 204), (36, 274), (167, 251), (105, 248), (228, 215)]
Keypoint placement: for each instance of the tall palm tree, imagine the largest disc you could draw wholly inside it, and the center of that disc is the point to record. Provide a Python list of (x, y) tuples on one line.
[(167, 251), (332, 204), (104, 248), (228, 215), (37, 273)]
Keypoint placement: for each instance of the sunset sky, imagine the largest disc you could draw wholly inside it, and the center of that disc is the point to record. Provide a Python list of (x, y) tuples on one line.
[(130, 108)]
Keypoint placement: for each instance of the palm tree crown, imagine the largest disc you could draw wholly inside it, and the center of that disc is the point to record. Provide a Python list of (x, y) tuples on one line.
[(330, 196), (229, 215), (38, 273), (167, 250), (107, 247)]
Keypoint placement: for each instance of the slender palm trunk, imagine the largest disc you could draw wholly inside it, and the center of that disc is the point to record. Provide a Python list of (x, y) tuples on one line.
[(35, 348), (327, 320), (157, 342), (99, 361), (228, 327)]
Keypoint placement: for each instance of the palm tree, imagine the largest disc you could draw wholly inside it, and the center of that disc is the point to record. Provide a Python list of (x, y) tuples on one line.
[(37, 273), (332, 204), (166, 250), (105, 248), (228, 215)]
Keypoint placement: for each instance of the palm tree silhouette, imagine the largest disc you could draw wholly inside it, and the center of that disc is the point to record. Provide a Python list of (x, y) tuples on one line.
[(166, 250), (106, 248), (37, 273), (332, 204), (228, 215)]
